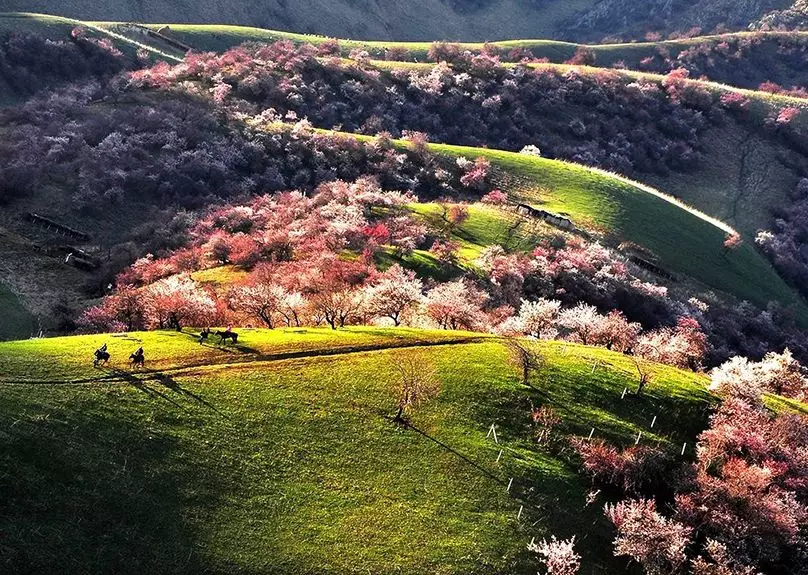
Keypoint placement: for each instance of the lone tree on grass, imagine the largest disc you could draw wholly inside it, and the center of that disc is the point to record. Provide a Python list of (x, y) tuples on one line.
[(645, 375), (416, 383), (523, 357)]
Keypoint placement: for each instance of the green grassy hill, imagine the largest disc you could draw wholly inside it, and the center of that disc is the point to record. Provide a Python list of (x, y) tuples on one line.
[(423, 19), (278, 455), (217, 38), (686, 241), (59, 28), (766, 61)]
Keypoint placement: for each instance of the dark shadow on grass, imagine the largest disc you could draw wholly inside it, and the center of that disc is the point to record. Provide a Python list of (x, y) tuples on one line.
[(141, 385), (465, 458), (95, 489), (169, 382)]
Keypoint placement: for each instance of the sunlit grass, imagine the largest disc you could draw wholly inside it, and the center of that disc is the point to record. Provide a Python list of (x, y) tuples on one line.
[(294, 466)]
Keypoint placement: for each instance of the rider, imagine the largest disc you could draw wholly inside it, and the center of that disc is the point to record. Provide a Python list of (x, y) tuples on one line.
[(139, 352), (103, 348)]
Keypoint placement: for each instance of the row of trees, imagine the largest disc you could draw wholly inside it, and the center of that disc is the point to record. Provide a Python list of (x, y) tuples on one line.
[(607, 119), (174, 156), (328, 246), (299, 250), (785, 243), (743, 61)]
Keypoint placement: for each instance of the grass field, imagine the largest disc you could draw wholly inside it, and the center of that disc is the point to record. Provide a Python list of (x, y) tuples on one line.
[(686, 241), (217, 38), (292, 465)]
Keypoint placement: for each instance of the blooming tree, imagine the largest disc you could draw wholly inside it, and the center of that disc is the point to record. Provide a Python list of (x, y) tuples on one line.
[(683, 346), (776, 373), (455, 305), (177, 301), (581, 322), (392, 293), (613, 331), (654, 541), (334, 289), (559, 557), (260, 300), (535, 319)]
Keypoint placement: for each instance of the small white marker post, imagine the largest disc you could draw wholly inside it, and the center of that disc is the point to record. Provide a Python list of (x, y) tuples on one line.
[(498, 456), (509, 485), (625, 389), (492, 430), (683, 448), (591, 433), (519, 515), (653, 422), (639, 435)]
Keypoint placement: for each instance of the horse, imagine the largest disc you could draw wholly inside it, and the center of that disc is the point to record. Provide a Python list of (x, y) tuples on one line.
[(225, 335), (100, 357), (138, 359)]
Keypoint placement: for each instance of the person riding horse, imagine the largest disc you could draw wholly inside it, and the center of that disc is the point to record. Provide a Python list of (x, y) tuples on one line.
[(101, 355), (138, 358), (227, 334)]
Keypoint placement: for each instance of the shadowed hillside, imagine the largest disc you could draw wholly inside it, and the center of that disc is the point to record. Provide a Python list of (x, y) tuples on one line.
[(479, 20)]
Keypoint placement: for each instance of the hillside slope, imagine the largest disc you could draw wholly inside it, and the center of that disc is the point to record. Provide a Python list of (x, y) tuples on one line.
[(744, 59), (250, 462), (472, 20), (686, 241)]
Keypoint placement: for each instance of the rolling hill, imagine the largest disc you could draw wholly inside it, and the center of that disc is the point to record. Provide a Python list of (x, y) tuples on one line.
[(478, 20), (725, 185), (743, 59), (146, 185), (686, 242), (279, 454)]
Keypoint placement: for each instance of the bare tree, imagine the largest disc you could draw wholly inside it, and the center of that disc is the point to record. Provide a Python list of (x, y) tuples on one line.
[(416, 383), (644, 374), (525, 357)]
